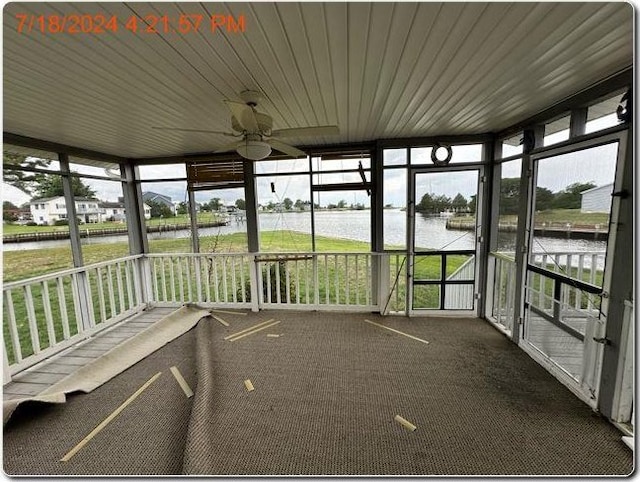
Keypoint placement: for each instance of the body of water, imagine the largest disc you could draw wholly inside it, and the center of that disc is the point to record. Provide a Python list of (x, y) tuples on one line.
[(430, 232)]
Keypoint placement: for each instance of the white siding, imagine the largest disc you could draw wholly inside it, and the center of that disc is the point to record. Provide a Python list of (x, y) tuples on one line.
[(597, 200)]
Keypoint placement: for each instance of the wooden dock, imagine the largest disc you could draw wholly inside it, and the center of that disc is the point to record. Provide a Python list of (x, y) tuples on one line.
[(90, 233), (551, 230)]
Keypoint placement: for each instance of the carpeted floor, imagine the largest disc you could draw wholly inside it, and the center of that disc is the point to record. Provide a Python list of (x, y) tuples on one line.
[(326, 393), (147, 437)]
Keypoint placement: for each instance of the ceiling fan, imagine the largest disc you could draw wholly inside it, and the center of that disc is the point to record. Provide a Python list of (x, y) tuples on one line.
[(255, 133)]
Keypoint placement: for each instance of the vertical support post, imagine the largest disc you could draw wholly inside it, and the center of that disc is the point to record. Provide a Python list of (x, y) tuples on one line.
[(193, 216), (443, 280), (377, 197), (532, 136), (254, 281), (253, 231), (81, 278), (195, 243), (378, 275), (486, 207), (136, 227), (411, 213), (313, 211), (619, 248), (134, 207), (577, 122), (493, 222), (74, 231), (557, 299)]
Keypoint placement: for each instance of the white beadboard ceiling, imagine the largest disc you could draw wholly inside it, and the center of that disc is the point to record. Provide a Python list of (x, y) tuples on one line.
[(377, 70)]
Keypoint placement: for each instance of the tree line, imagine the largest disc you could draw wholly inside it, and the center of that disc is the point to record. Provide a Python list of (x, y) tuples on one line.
[(567, 198)]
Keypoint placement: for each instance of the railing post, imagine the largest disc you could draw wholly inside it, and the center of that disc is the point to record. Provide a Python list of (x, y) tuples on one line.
[(253, 282), (493, 265), (383, 265), (6, 372), (316, 281), (144, 279), (198, 276)]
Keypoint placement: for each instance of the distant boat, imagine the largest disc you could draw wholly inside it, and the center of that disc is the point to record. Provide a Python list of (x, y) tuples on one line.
[(446, 214)]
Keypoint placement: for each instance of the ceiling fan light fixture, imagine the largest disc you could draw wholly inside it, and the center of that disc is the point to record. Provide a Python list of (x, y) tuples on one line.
[(253, 149)]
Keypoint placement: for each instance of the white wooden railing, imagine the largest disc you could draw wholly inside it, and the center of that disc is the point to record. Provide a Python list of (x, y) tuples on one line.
[(501, 302), (317, 281), (46, 314), (461, 296), (222, 279), (585, 266)]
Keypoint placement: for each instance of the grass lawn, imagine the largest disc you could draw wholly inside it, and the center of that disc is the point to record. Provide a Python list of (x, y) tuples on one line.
[(573, 216), (19, 265)]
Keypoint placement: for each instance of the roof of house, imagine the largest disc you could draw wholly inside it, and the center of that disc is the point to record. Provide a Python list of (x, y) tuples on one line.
[(154, 196), (111, 205), (608, 186), (47, 199)]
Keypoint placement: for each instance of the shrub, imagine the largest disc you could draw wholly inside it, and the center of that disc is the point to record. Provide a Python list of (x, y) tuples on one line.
[(270, 271), (61, 222)]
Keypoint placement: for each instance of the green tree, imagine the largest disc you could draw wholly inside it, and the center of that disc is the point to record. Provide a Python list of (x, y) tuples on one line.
[(570, 197), (182, 208), (472, 203), (9, 211), (459, 202), (241, 204), (50, 185), (341, 204), (442, 203), (544, 199), (159, 210), (23, 180), (426, 203), (299, 205), (213, 205), (431, 204), (509, 195), (288, 203)]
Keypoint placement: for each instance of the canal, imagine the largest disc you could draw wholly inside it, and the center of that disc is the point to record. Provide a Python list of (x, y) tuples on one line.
[(431, 233)]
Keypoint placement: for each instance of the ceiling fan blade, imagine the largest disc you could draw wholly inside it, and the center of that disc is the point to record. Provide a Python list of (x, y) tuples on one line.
[(244, 115), (286, 148), (192, 130), (307, 131), (228, 147)]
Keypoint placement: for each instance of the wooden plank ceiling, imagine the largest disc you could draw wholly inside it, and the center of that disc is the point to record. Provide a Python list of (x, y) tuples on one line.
[(377, 70)]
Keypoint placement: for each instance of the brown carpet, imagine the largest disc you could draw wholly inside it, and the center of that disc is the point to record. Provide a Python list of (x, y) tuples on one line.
[(327, 390), (147, 437), (326, 393)]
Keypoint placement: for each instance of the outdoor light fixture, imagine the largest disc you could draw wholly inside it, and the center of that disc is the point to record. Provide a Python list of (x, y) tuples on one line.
[(253, 149)]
